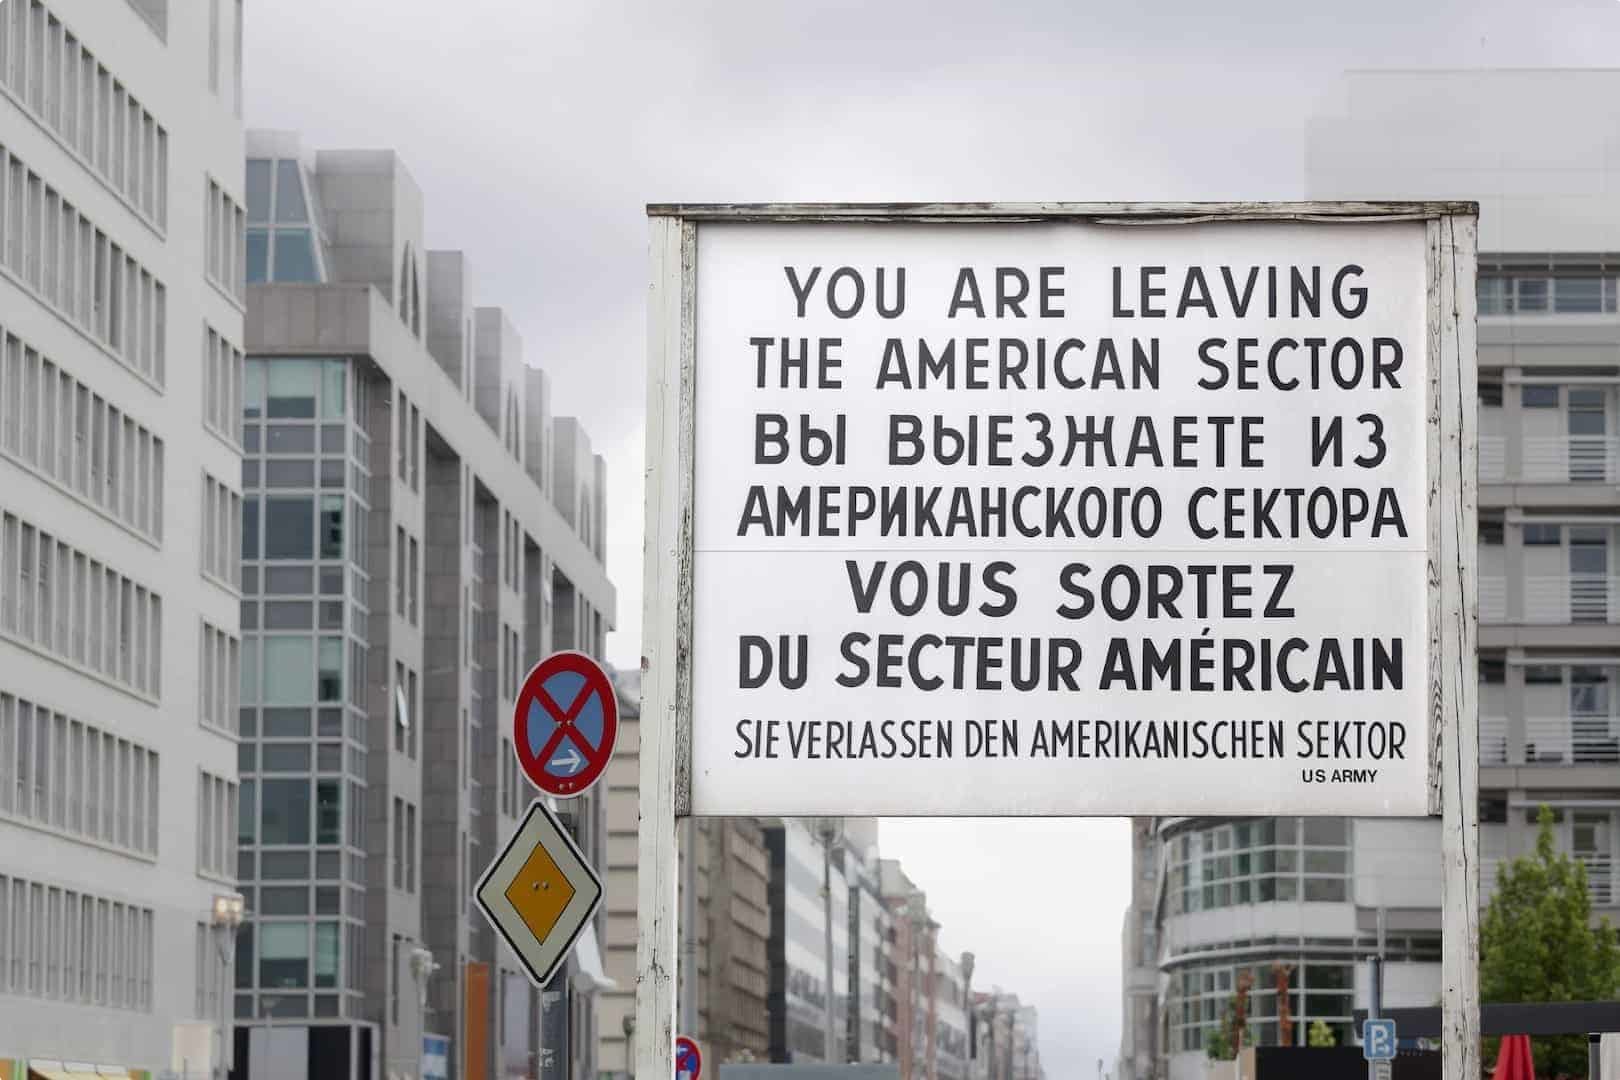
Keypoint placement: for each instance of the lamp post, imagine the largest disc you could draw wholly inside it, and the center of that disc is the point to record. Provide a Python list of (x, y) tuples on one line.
[(628, 1024), (225, 918), (423, 968), (827, 829)]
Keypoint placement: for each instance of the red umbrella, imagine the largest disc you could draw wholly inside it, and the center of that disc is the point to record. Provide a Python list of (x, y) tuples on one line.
[(1513, 1059)]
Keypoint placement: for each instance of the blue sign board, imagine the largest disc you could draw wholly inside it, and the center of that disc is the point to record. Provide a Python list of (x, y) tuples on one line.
[(435, 1057), (1378, 1040)]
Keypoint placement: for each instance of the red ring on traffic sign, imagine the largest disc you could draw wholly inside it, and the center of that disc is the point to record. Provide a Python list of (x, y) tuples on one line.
[(568, 760)]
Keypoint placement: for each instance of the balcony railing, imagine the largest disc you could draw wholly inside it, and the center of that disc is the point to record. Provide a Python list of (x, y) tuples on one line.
[(1576, 739), (1552, 459), (1580, 739), (1563, 598), (1492, 459), (1600, 879), (1493, 738)]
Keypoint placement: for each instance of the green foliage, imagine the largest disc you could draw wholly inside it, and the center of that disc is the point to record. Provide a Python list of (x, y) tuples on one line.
[(1537, 944), (1222, 1044), (1320, 1035)]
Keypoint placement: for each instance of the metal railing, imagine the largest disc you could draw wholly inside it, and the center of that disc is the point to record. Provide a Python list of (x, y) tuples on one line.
[(1600, 884), (1552, 459), (1571, 598), (1492, 599), (1493, 739), (1564, 459), (1577, 739), (1600, 878), (1492, 459)]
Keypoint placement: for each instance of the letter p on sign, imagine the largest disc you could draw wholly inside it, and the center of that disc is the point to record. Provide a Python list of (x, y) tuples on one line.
[(1378, 1040)]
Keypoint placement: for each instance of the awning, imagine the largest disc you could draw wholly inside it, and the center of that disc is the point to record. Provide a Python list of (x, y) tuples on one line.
[(590, 976), (49, 1070)]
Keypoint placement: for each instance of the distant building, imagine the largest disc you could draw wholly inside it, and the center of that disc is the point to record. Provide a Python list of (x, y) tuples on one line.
[(417, 531), (733, 918), (799, 991), (121, 300), (1292, 904), (873, 1034)]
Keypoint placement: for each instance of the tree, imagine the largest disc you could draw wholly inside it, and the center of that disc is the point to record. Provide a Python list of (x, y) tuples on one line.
[(1537, 944), (1320, 1035), (1285, 1014), (1234, 1034)]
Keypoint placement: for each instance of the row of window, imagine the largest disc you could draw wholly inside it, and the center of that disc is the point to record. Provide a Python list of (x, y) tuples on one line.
[(52, 75), (222, 385), (283, 817), (289, 757), (78, 270), (79, 779), (409, 423), (221, 533), (301, 528), (295, 669), (224, 234), (1317, 990), (285, 950), (404, 845), (216, 826), (1280, 859), (1539, 293), (220, 676), (65, 603), (61, 429), (407, 575), (63, 945)]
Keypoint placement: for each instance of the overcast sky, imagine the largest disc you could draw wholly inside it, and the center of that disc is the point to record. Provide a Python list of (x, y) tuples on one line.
[(538, 129)]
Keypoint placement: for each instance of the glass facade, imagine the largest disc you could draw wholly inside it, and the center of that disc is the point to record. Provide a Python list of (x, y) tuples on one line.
[(301, 822), (1318, 989), (281, 238), (1260, 861)]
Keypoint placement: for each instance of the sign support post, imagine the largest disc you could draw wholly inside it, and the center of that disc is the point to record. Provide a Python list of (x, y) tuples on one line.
[(666, 618), (1453, 629)]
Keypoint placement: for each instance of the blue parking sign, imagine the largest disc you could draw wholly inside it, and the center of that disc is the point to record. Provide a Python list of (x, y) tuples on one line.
[(1378, 1040)]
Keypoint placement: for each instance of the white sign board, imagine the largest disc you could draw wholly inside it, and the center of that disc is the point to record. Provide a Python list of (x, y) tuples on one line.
[(1061, 517)]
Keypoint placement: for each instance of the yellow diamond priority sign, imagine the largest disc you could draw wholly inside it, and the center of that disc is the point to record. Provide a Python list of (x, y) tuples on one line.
[(539, 893)]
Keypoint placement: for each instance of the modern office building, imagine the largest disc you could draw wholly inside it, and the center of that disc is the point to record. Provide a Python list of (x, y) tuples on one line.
[(950, 1036), (1237, 899), (1006, 1039), (417, 531), (874, 1036), (121, 320)]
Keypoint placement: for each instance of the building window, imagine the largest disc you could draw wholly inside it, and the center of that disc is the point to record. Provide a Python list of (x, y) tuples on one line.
[(72, 94), (216, 826), (1261, 861), (71, 946), (224, 225), (283, 955), (54, 426)]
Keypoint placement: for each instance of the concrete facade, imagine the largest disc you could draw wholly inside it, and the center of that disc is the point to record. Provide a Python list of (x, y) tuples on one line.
[(445, 572), (1546, 180), (121, 321)]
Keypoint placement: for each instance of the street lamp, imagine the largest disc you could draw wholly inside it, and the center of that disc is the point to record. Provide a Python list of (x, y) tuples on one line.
[(828, 829), (628, 1024), (225, 918), (423, 968)]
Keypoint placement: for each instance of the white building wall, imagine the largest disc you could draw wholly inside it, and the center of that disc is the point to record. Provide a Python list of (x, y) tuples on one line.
[(169, 73)]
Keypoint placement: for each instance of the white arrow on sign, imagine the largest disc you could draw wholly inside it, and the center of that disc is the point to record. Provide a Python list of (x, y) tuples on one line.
[(539, 893), (572, 761)]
